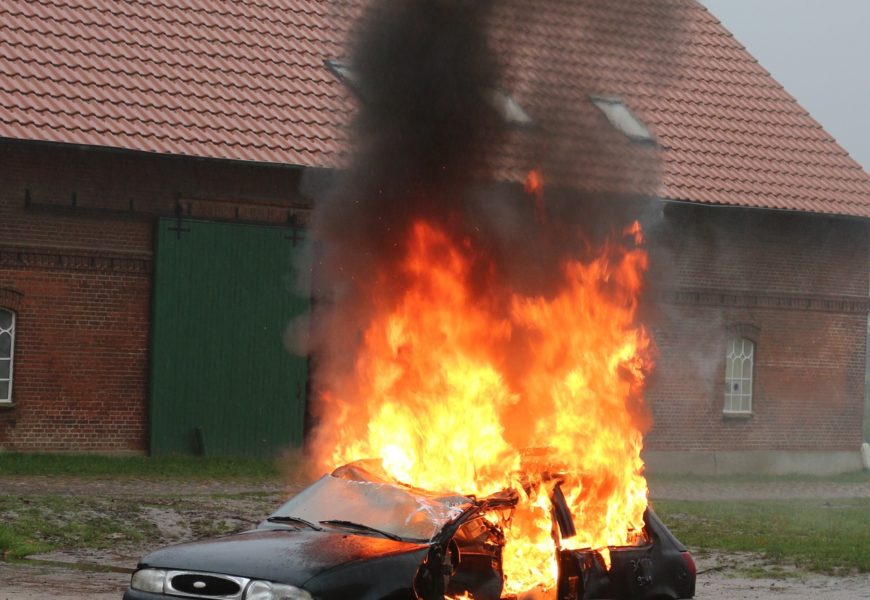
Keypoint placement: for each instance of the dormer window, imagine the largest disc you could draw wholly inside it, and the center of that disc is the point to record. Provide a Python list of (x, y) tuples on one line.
[(623, 119), (343, 71), (509, 109)]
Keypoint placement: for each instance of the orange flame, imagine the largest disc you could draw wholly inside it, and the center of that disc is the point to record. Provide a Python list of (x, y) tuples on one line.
[(534, 187), (473, 393), (534, 183)]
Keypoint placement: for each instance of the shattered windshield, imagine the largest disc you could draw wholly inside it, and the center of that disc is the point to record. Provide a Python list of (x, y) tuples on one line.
[(357, 497)]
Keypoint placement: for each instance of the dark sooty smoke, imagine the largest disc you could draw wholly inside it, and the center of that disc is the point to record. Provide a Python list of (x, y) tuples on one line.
[(426, 136), (423, 69)]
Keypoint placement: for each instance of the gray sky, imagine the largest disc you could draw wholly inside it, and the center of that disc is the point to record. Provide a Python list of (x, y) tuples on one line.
[(819, 50)]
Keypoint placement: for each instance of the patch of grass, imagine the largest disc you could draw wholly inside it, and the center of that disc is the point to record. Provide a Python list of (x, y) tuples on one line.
[(34, 524), (13, 463), (826, 536), (770, 571), (15, 544), (852, 477), (206, 528)]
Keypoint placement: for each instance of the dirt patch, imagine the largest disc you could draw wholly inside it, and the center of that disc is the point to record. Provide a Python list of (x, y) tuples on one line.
[(162, 512), (38, 582), (740, 576), (28, 582)]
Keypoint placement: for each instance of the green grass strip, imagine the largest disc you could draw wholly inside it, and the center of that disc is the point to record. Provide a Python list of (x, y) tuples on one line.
[(12, 463), (826, 536), (851, 477)]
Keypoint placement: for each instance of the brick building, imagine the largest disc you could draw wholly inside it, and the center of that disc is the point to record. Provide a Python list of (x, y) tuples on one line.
[(786, 294), (77, 271), (128, 131)]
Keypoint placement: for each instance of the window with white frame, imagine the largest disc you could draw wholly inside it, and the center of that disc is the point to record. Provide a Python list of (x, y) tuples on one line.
[(739, 362), (7, 347), (623, 119)]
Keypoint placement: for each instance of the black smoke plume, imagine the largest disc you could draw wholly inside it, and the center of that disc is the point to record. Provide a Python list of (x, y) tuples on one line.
[(423, 70), (429, 143)]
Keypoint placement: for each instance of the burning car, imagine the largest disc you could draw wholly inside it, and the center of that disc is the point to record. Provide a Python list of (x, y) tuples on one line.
[(357, 533)]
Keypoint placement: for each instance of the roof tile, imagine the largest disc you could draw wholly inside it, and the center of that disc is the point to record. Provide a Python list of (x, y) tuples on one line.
[(245, 80)]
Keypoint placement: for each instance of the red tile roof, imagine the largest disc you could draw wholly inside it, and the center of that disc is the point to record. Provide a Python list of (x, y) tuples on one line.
[(237, 80), (245, 80)]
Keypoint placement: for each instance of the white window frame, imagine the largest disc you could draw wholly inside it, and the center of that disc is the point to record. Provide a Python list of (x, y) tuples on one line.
[(739, 376), (508, 108), (11, 332), (623, 119)]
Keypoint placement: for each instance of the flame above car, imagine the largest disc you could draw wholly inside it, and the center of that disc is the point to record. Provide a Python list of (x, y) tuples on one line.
[(464, 384)]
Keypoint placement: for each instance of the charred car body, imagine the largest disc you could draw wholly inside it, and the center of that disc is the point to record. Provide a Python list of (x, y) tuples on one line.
[(357, 534)]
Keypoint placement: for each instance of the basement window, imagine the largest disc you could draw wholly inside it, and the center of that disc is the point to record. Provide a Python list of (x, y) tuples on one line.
[(622, 119), (7, 347), (739, 363)]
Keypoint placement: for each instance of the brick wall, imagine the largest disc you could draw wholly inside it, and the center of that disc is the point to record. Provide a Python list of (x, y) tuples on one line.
[(80, 360), (79, 280), (797, 285)]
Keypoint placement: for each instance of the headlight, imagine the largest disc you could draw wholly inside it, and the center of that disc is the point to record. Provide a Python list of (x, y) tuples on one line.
[(264, 590), (148, 580)]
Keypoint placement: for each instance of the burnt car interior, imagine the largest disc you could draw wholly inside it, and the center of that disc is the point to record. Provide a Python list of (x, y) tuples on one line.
[(465, 542), (466, 539)]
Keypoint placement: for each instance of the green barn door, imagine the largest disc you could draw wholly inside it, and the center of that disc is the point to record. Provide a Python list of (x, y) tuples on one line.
[(222, 381)]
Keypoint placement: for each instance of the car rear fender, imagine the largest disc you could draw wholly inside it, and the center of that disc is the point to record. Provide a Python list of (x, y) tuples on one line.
[(651, 571)]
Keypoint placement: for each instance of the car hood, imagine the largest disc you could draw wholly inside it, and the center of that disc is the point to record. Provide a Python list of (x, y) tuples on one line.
[(283, 555)]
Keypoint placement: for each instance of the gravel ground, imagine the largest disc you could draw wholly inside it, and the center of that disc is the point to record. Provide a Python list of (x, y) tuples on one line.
[(39, 582), (27, 582), (103, 575)]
